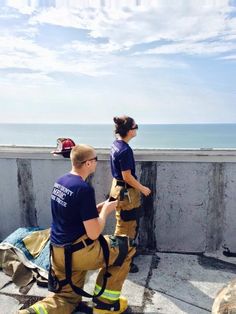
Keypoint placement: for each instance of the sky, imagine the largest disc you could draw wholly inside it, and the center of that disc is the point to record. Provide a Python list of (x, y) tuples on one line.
[(86, 61)]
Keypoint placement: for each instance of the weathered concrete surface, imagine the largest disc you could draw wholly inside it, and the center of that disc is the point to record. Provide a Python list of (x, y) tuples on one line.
[(181, 212), (8, 304), (230, 216), (165, 304), (26, 192), (191, 209), (175, 284), (44, 175), (147, 231), (9, 197), (187, 283)]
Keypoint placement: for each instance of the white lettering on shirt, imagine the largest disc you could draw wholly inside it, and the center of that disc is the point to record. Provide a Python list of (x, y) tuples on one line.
[(59, 193)]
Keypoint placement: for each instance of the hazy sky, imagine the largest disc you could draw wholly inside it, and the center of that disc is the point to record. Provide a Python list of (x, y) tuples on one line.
[(81, 61)]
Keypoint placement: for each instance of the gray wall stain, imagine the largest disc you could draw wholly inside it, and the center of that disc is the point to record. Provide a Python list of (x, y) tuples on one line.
[(26, 193), (216, 208), (147, 237)]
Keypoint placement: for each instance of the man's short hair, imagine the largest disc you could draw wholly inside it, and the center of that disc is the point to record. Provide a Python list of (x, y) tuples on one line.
[(80, 153)]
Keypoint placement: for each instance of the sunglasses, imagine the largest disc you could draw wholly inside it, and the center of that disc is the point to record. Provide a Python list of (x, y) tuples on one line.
[(134, 127), (95, 158)]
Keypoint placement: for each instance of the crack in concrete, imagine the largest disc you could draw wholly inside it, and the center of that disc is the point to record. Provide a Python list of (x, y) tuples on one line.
[(148, 293), (182, 300), (147, 297)]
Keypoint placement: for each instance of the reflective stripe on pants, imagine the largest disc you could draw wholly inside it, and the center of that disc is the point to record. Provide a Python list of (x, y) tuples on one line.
[(107, 294), (40, 309)]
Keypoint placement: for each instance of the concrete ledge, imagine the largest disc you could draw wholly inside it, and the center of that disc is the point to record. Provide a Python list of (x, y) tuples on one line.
[(191, 208), (178, 155)]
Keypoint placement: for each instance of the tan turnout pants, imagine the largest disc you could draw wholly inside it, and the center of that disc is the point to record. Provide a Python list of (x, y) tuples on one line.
[(89, 258), (127, 228)]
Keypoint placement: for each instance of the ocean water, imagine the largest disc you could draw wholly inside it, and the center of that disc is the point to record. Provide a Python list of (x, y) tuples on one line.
[(101, 136)]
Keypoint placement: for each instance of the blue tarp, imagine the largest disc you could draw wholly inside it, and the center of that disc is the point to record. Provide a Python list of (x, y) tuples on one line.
[(15, 239)]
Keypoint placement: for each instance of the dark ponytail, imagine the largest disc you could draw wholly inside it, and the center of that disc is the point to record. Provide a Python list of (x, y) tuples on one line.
[(123, 125)]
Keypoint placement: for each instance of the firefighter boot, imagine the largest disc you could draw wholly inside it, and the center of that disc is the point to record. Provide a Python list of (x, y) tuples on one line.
[(116, 308)]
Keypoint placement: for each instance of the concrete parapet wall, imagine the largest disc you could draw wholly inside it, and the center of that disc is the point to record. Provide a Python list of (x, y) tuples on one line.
[(191, 209)]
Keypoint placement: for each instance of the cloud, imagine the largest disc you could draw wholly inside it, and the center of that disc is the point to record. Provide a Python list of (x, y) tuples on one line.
[(31, 78), (22, 6), (21, 53), (194, 48), (82, 47), (231, 57), (117, 34), (17, 52), (128, 25), (140, 35)]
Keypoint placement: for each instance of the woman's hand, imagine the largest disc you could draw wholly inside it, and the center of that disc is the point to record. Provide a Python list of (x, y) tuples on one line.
[(128, 178), (145, 190)]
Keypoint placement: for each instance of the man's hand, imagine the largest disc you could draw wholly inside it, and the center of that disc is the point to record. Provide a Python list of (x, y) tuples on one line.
[(109, 207), (99, 206), (95, 226)]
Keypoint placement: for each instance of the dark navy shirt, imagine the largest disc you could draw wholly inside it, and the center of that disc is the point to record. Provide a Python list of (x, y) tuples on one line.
[(72, 202), (122, 159)]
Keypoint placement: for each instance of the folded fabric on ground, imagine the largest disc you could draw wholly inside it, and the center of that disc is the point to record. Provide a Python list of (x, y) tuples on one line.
[(24, 255)]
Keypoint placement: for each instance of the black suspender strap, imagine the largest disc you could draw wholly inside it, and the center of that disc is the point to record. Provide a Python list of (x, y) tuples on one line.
[(55, 285), (131, 214), (123, 250), (106, 253), (123, 183)]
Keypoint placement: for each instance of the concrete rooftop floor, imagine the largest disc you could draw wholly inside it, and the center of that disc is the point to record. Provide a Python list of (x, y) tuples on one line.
[(167, 283)]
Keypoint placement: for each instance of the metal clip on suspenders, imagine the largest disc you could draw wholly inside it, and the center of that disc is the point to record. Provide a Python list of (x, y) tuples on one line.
[(55, 285)]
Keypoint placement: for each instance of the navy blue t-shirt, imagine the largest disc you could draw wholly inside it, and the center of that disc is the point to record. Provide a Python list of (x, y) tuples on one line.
[(72, 202), (122, 159)]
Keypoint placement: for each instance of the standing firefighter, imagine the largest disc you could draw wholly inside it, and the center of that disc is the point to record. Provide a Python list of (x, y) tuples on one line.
[(125, 186), (78, 246)]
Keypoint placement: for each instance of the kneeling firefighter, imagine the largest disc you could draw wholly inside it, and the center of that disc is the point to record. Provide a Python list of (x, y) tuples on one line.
[(78, 246), (125, 186)]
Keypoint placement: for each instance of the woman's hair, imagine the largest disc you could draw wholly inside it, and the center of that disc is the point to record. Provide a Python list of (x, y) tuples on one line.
[(123, 125), (80, 153)]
